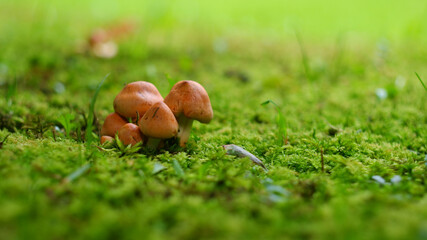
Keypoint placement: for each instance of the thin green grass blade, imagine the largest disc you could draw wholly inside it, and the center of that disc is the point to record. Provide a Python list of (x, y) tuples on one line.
[(304, 56), (80, 171), (89, 128), (11, 91), (421, 81), (280, 121), (119, 143)]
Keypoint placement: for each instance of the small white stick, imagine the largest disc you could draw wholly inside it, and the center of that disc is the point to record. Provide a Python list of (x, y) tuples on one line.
[(242, 153)]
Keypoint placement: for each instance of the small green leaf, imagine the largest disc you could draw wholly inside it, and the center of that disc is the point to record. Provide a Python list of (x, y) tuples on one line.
[(77, 173), (266, 102), (133, 149), (158, 168), (120, 145), (178, 169), (66, 121)]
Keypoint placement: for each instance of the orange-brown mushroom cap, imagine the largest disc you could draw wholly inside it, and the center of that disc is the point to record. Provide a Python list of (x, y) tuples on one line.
[(112, 124), (106, 139), (136, 97), (130, 134), (159, 122), (190, 99)]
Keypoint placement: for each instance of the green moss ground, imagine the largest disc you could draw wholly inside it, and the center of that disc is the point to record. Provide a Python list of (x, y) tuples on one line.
[(200, 192)]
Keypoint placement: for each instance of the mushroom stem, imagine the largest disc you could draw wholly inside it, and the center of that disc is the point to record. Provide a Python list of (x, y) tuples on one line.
[(153, 143), (184, 129)]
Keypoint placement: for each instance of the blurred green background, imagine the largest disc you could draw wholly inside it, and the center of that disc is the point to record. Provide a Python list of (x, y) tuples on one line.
[(324, 27), (314, 18)]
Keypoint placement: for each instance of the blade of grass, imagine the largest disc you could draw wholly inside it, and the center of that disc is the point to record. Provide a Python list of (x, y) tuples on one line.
[(11, 91), (280, 121), (80, 171), (337, 65), (89, 128), (304, 57), (421, 81)]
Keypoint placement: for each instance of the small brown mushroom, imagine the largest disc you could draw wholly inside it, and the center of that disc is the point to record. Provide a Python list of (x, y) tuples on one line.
[(98, 36), (135, 99), (112, 124), (158, 123), (130, 134), (189, 101), (102, 42), (105, 50), (105, 139)]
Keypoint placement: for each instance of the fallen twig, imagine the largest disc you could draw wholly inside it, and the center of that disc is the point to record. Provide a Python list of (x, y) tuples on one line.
[(4, 140), (242, 153), (322, 160)]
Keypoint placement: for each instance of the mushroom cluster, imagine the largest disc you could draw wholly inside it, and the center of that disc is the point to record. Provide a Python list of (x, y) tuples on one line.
[(142, 115)]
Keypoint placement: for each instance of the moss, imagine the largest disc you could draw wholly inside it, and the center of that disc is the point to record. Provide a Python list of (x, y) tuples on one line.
[(201, 192)]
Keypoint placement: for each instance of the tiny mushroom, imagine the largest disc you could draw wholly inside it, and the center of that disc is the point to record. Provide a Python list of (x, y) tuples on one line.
[(189, 101), (105, 139), (98, 36), (130, 134), (112, 124), (158, 123), (135, 99), (105, 50)]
